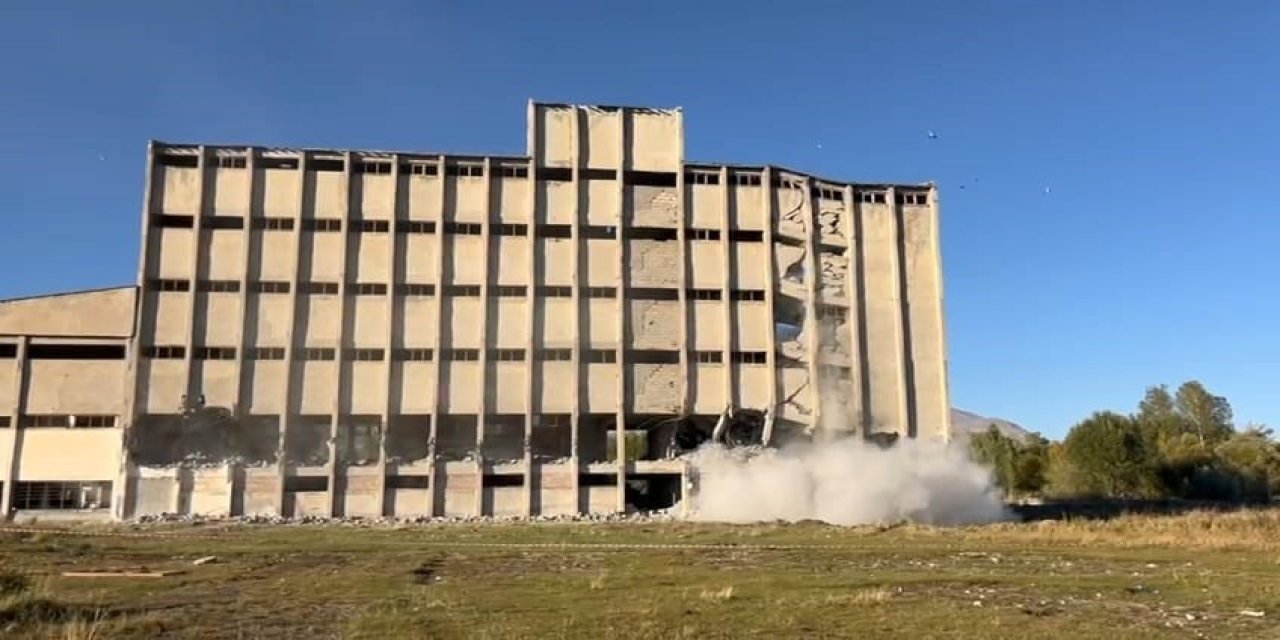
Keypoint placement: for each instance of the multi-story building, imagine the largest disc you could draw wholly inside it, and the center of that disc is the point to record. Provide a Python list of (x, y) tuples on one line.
[(380, 333)]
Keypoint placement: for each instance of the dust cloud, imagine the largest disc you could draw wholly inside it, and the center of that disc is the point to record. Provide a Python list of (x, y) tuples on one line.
[(846, 482)]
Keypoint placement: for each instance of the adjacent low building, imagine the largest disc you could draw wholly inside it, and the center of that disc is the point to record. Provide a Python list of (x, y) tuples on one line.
[(363, 333)]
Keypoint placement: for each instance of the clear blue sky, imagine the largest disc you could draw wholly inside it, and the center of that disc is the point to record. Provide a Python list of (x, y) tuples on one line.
[(1153, 258)]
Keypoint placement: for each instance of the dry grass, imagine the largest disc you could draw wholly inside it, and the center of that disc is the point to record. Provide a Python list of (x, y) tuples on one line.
[(717, 595), (598, 582), (859, 597), (1252, 530)]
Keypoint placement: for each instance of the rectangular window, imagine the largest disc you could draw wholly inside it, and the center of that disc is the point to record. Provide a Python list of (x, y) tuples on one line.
[(271, 286), (371, 226), (747, 295), (708, 357), (4, 422), (555, 355), (745, 235), (187, 161), (374, 167), (826, 193), (514, 171), (462, 228), (555, 174), (314, 353), (508, 355), (651, 233), (80, 421), (650, 178), (461, 355), (368, 288), (702, 234), (8, 350), (602, 292), (321, 224), (465, 170), (164, 352), (597, 174), (508, 229), (408, 482), (277, 162), (746, 179), (306, 484), (415, 226), (365, 355), (412, 355), (509, 291), (222, 222), (871, 197), (491, 480), (831, 312), (602, 356), (597, 232), (420, 169), (76, 352), (232, 162), (273, 223), (653, 356), (213, 353), (469, 290), (653, 293), (168, 284), (749, 357), (412, 289), (327, 164), (218, 286), (550, 291), (318, 288), (701, 177), (44, 420), (553, 231), (913, 199), (266, 353), (704, 294), (61, 496)]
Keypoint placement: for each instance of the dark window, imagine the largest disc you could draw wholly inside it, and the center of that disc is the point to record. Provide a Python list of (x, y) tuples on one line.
[(213, 353), (555, 174), (830, 312), (273, 224), (465, 170), (651, 233), (461, 355), (744, 235), (321, 224), (515, 171), (8, 350), (709, 357), (277, 162), (871, 197), (415, 226), (222, 222), (164, 352), (602, 356), (314, 353), (412, 355), (411, 289), (371, 226), (749, 357), (503, 480), (76, 352), (189, 161), (4, 422), (914, 199), (653, 293), (61, 495), (826, 193), (462, 228), (653, 356), (602, 292), (753, 295), (80, 421), (420, 169), (746, 179), (703, 234), (45, 420), (508, 355), (326, 164), (306, 484), (553, 231), (408, 482), (701, 177), (232, 162), (651, 178), (597, 479), (368, 288), (376, 167), (597, 174), (271, 286), (509, 291), (218, 286), (318, 288), (168, 284), (173, 221), (266, 353), (551, 291), (555, 355), (365, 355), (704, 294), (462, 289), (596, 232), (508, 229)]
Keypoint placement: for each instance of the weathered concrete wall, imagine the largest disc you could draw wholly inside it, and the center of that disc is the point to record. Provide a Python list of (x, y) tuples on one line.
[(103, 313)]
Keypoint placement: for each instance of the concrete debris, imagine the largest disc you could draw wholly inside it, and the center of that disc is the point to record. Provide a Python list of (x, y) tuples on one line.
[(663, 515), (205, 560), (1252, 613), (829, 223), (834, 275)]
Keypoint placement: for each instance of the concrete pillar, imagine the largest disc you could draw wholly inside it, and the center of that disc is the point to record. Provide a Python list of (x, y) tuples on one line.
[(12, 435), (291, 347)]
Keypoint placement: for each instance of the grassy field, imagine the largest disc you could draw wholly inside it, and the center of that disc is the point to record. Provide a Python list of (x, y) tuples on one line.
[(1197, 575)]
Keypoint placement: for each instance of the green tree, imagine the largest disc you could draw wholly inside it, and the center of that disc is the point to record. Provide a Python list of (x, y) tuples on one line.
[(1208, 415), (997, 451), (1251, 458), (1106, 455)]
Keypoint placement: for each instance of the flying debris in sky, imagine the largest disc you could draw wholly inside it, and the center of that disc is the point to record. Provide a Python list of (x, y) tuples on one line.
[(102, 158), (933, 135), (1047, 190)]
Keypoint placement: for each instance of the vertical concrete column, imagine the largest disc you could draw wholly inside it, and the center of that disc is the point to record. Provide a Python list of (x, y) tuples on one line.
[(335, 468), (857, 315), (240, 410), (120, 497), (768, 193), (575, 236), (12, 436), (388, 377), (814, 331), (942, 371), (726, 288), (530, 342), (437, 356), (193, 293), (886, 347), (624, 308), (682, 277), (923, 319), (482, 404), (291, 345)]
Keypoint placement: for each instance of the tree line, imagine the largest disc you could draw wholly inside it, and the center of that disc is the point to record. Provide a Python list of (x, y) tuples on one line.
[(1181, 444)]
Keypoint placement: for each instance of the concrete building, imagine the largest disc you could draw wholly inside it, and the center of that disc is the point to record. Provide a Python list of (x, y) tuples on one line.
[(373, 333)]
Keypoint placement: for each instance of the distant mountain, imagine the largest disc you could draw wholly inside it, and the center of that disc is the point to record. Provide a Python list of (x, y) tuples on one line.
[(965, 424)]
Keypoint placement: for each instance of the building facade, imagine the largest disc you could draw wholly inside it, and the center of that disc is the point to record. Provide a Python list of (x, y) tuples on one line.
[(365, 333)]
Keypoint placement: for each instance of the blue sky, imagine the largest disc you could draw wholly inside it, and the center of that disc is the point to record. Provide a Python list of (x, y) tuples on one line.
[(1153, 257)]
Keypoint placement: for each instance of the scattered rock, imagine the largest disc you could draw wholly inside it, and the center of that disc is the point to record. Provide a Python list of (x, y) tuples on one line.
[(1253, 613), (204, 560)]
